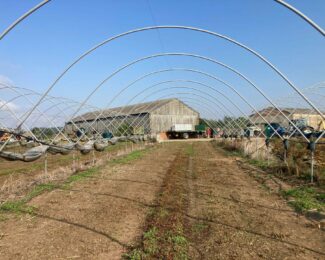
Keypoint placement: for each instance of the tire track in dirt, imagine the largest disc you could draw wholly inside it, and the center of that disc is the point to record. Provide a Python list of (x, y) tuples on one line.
[(232, 216), (164, 234)]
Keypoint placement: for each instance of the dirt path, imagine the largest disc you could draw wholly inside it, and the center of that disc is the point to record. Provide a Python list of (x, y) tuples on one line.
[(97, 218), (218, 211), (181, 200), (233, 216)]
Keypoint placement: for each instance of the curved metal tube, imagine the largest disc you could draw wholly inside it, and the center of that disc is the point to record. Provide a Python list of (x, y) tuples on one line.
[(48, 98), (182, 28), (25, 96), (196, 82), (302, 15), (204, 102), (213, 77), (182, 93), (25, 15), (194, 56)]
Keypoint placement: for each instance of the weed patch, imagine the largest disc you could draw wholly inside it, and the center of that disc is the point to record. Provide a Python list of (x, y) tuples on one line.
[(20, 205), (199, 227), (129, 157), (164, 237), (189, 150), (305, 198)]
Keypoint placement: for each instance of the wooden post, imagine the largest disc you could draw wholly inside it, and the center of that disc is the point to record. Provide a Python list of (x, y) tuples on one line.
[(93, 152), (45, 164), (74, 161), (312, 167)]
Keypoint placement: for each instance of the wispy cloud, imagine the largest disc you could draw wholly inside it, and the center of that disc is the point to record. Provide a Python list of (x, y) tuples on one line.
[(4, 105), (5, 80)]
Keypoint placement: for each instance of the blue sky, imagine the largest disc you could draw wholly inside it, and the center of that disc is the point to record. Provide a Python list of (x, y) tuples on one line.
[(38, 49)]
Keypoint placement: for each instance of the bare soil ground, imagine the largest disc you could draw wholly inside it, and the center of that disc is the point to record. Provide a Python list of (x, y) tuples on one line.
[(180, 200), (17, 178)]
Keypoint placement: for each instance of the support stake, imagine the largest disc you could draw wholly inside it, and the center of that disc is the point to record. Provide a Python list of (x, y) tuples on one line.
[(93, 152), (45, 164), (74, 162), (312, 148), (267, 143), (286, 147)]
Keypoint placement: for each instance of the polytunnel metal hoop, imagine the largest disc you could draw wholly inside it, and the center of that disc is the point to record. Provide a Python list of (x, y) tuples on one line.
[(181, 28), (195, 56)]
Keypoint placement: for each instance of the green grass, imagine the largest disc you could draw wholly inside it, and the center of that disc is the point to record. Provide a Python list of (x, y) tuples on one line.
[(16, 207), (199, 227), (19, 206), (135, 155), (259, 163), (179, 244), (136, 254), (305, 198), (59, 160), (82, 175), (150, 246), (189, 150), (150, 241), (39, 189)]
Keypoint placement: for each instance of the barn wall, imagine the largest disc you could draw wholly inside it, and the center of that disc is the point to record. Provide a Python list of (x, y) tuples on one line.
[(175, 112), (140, 124), (276, 117), (312, 120)]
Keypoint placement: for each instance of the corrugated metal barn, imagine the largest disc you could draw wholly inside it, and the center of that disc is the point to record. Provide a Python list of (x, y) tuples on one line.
[(151, 117), (273, 116)]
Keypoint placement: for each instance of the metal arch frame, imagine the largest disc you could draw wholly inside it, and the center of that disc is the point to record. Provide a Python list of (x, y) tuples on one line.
[(302, 15), (294, 109), (195, 82), (208, 32), (205, 93), (111, 123), (194, 56), (48, 98), (231, 127), (16, 90), (16, 117), (222, 126), (141, 122), (206, 109), (308, 115), (189, 55), (75, 103), (153, 93), (189, 70), (205, 102), (69, 104), (21, 18), (228, 39), (282, 2), (123, 120)]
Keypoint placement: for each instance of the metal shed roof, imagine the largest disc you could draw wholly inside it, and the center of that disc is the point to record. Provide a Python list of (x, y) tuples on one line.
[(135, 109), (272, 111)]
